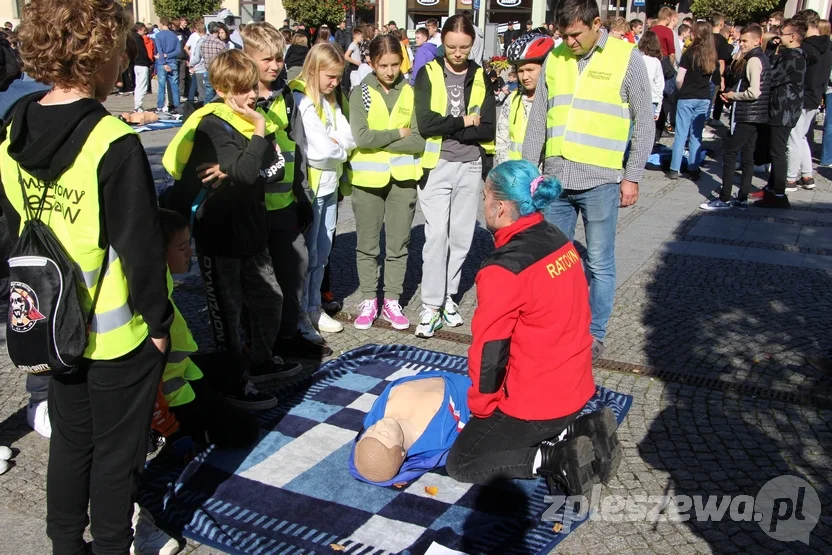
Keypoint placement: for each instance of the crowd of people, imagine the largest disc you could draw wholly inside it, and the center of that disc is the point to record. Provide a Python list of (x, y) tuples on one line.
[(284, 127)]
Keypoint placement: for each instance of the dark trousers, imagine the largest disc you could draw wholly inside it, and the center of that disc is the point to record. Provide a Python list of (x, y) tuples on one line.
[(743, 139), (290, 258), (184, 77), (761, 149), (232, 283), (778, 141), (326, 286), (100, 423), (719, 105), (500, 447)]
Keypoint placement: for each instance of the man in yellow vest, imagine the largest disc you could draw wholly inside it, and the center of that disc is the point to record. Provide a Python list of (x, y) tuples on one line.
[(594, 97)]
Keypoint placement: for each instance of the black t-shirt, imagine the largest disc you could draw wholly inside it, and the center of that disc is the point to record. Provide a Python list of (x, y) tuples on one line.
[(697, 83), (724, 52)]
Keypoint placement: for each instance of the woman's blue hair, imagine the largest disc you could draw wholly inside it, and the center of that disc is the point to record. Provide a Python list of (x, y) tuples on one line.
[(512, 181)]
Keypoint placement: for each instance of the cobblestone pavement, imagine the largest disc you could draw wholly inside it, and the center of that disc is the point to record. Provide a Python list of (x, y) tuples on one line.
[(714, 317)]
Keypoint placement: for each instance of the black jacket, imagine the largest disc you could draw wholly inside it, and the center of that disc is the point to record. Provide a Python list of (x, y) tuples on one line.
[(343, 39), (296, 56), (787, 77), (432, 124), (46, 140), (818, 67), (142, 59), (232, 220), (755, 111)]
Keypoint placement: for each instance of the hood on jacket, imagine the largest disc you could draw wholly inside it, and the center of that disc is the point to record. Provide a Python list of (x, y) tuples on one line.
[(815, 47), (46, 151)]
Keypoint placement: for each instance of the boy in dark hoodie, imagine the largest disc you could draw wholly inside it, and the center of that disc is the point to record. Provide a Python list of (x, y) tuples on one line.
[(100, 199), (818, 67), (788, 75)]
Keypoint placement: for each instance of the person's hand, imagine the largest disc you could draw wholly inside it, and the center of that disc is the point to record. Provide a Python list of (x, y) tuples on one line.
[(404, 132), (246, 111), (656, 117), (305, 216), (167, 68), (211, 174), (728, 96), (471, 120), (629, 193), (161, 344)]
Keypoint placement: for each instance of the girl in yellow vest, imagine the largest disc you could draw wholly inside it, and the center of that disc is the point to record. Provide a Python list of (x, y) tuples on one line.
[(456, 115), (386, 167), (66, 141), (325, 140), (526, 54)]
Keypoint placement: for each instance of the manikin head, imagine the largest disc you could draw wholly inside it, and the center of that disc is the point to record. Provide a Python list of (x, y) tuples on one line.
[(379, 454)]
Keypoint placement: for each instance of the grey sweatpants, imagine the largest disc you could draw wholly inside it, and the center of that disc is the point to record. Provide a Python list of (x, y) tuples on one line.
[(290, 260), (449, 201)]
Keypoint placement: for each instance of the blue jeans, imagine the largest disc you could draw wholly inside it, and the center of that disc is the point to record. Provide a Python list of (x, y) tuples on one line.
[(319, 244), (162, 76), (599, 209), (690, 120), (209, 90), (826, 151)]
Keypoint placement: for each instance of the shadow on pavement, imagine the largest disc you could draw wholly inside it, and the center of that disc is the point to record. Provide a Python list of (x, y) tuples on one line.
[(747, 325)]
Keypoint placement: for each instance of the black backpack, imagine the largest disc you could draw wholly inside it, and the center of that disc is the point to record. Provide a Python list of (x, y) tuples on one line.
[(47, 326)]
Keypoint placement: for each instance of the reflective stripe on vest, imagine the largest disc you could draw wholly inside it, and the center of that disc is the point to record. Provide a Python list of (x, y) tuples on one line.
[(179, 369), (516, 126), (73, 214), (280, 195), (586, 120), (375, 167), (313, 175), (179, 150), (439, 104)]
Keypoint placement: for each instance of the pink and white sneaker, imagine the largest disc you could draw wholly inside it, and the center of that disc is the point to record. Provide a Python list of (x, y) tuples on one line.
[(392, 312), (368, 312)]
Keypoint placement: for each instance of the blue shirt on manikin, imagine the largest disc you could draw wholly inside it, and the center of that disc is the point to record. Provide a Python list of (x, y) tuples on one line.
[(431, 449)]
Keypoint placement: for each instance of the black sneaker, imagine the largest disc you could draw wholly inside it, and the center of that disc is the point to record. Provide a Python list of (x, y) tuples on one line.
[(740, 203), (694, 175), (600, 427), (674, 175), (567, 466), (272, 370), (770, 200), (299, 346), (251, 399), (807, 183), (597, 348)]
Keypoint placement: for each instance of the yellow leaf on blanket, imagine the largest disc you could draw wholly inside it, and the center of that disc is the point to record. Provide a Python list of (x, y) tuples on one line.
[(336, 547), (399, 485), (431, 490), (557, 527)]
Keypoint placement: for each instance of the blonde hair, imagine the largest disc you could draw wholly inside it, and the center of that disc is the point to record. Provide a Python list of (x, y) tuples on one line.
[(824, 27), (233, 72), (263, 37), (621, 25), (65, 42), (300, 39), (321, 57)]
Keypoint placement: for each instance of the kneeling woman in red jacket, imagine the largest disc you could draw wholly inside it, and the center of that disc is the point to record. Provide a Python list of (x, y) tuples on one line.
[(531, 359)]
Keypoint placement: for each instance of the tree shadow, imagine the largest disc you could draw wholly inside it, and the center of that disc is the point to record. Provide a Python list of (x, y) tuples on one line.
[(742, 406)]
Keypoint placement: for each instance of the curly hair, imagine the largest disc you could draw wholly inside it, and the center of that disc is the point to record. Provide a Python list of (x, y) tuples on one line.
[(65, 42)]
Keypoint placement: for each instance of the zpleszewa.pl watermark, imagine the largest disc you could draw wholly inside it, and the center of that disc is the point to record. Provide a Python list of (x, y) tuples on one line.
[(787, 508)]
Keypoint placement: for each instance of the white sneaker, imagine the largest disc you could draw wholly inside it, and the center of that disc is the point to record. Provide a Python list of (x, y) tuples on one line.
[(323, 322), (450, 313), (5, 455), (308, 331), (37, 414), (430, 320), (148, 538)]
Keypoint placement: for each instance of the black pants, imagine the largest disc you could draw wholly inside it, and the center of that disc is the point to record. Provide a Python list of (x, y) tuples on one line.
[(100, 423), (326, 286), (184, 77), (778, 141), (719, 105), (743, 139), (761, 149), (291, 261), (500, 446)]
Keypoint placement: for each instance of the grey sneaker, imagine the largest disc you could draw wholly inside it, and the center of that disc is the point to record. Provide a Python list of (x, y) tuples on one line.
[(597, 348)]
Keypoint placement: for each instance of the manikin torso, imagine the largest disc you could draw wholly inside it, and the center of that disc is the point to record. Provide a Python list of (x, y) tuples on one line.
[(413, 405)]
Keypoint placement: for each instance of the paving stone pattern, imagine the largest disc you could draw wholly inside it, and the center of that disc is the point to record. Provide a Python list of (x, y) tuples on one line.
[(739, 298)]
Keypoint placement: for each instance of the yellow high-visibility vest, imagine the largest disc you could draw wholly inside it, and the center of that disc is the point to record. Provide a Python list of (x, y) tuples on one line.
[(179, 369), (179, 150), (439, 104), (280, 195), (313, 175), (375, 167), (586, 120), (516, 126), (72, 210)]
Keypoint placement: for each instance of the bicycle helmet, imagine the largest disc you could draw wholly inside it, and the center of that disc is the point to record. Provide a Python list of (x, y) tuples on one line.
[(531, 47)]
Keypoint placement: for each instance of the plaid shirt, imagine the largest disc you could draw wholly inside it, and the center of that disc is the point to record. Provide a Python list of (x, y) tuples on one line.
[(211, 48)]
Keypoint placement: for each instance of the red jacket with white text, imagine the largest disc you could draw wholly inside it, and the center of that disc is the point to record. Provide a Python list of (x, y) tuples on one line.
[(531, 355)]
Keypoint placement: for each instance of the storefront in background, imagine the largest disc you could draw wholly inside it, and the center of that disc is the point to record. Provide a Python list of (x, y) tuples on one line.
[(508, 11), (419, 11)]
